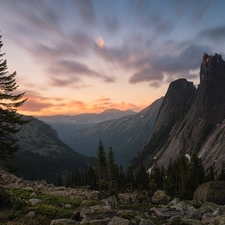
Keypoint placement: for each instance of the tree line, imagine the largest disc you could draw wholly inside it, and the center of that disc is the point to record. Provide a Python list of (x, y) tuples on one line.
[(180, 178)]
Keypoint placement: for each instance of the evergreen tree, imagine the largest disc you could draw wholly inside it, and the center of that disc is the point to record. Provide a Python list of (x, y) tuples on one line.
[(142, 178), (10, 121), (221, 176), (101, 166), (91, 177), (60, 181), (111, 169)]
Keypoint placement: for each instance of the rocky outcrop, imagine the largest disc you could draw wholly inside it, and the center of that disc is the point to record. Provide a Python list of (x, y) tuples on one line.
[(160, 198), (212, 191), (191, 121)]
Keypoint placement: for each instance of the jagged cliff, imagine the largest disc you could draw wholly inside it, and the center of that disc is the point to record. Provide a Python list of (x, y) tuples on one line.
[(189, 120)]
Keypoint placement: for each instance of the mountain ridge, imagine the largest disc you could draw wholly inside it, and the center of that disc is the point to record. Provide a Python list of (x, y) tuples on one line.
[(190, 132)]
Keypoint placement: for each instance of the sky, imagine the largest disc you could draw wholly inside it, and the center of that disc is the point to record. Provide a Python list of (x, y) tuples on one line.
[(84, 56)]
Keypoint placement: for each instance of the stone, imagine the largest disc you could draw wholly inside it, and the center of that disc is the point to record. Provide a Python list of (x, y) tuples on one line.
[(146, 222), (194, 214), (119, 221), (31, 214), (207, 215), (34, 201), (64, 222), (111, 201), (212, 191), (160, 198), (182, 206), (167, 212), (33, 195), (174, 202), (103, 221), (208, 207), (191, 222), (68, 206)]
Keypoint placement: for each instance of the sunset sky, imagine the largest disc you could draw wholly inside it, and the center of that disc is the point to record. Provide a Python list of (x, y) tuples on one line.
[(78, 56)]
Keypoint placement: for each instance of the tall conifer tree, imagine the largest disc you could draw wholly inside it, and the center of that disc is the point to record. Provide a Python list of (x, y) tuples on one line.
[(10, 121)]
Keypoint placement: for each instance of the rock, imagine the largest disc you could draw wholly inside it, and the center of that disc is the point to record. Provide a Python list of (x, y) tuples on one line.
[(31, 214), (64, 222), (191, 222), (182, 206), (34, 201), (33, 195), (193, 213), (146, 222), (119, 221), (174, 202), (111, 201), (167, 212), (218, 220), (212, 191), (207, 215), (103, 221), (208, 207), (68, 206), (160, 198), (126, 198), (218, 212)]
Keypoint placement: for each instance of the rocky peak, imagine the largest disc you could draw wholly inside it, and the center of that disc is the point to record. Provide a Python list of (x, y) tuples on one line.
[(176, 102), (211, 67), (211, 89)]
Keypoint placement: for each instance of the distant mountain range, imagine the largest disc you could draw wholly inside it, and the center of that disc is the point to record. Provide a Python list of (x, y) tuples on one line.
[(66, 124), (43, 154), (191, 121), (126, 135)]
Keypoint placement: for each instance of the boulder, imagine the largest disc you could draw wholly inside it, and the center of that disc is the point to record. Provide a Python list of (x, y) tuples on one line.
[(212, 191), (146, 222), (160, 198), (64, 222), (111, 201), (119, 221), (34, 201), (167, 212)]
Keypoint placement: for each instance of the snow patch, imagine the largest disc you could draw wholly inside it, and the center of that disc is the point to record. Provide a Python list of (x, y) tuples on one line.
[(188, 157)]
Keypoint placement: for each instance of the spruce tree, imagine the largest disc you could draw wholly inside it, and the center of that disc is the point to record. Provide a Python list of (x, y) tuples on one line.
[(101, 166), (10, 121), (111, 169)]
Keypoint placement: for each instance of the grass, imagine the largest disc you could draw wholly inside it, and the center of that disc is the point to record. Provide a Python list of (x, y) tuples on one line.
[(16, 207)]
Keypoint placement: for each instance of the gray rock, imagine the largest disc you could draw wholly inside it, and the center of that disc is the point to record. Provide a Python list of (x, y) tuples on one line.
[(103, 221), (64, 222), (111, 201), (31, 214), (193, 213), (212, 191), (207, 215), (182, 206), (146, 222), (68, 206), (208, 207), (160, 198), (33, 195), (119, 221), (218, 220), (191, 222), (34, 201), (167, 212), (174, 202)]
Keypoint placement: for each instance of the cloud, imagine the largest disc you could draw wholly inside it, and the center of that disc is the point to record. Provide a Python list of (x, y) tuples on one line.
[(215, 34), (155, 68), (66, 72), (86, 10)]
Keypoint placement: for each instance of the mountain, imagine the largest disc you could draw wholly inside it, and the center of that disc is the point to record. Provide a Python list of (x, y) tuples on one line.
[(191, 121), (126, 135), (65, 124), (43, 154)]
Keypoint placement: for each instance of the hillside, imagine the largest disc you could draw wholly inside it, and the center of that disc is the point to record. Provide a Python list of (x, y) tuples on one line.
[(126, 135), (42, 154), (191, 121)]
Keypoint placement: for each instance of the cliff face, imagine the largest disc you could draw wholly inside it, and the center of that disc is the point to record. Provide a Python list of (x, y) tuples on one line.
[(191, 121)]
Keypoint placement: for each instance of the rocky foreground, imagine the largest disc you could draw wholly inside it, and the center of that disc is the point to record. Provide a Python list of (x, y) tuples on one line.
[(135, 208)]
